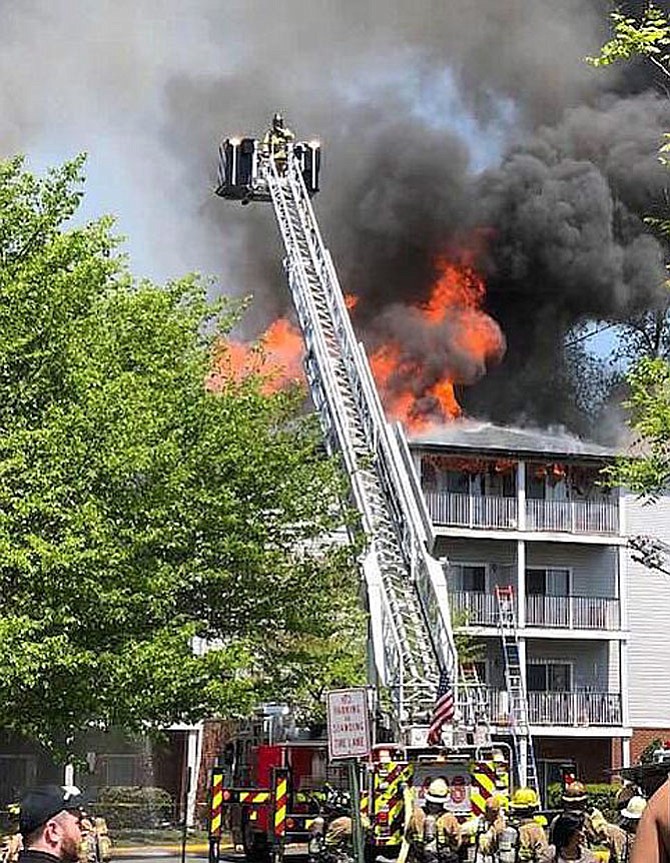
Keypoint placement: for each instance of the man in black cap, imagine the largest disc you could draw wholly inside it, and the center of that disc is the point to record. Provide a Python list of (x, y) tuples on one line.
[(50, 824)]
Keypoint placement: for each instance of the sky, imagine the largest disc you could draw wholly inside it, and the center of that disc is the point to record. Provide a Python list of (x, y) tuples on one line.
[(438, 119)]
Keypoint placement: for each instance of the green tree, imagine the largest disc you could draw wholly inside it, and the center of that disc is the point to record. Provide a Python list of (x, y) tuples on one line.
[(649, 378), (140, 507)]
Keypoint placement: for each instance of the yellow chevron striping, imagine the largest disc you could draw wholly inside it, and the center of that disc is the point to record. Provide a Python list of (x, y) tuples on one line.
[(477, 802)]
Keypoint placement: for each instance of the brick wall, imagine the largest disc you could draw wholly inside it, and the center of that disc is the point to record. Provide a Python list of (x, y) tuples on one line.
[(592, 756), (642, 737)]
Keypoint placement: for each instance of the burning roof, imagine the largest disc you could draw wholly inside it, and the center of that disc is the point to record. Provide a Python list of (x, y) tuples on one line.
[(471, 436)]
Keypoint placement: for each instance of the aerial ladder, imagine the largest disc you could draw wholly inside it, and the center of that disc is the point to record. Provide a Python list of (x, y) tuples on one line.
[(410, 626)]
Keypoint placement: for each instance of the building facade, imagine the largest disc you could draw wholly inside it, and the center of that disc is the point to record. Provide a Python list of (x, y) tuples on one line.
[(528, 510)]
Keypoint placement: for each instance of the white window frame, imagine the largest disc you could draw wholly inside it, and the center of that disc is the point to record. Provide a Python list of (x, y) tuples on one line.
[(474, 563), (531, 660), (545, 567)]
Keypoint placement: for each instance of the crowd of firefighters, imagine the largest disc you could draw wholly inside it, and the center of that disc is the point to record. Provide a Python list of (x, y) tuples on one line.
[(514, 830)]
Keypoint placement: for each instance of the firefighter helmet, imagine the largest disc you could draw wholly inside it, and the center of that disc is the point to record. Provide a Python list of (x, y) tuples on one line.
[(278, 121), (524, 798), (437, 792), (574, 794), (496, 803), (635, 808)]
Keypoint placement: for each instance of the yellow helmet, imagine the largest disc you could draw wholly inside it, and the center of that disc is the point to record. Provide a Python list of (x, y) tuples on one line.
[(437, 792), (496, 803), (524, 798)]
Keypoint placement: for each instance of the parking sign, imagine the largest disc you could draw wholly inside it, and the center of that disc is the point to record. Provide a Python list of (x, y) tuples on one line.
[(348, 723)]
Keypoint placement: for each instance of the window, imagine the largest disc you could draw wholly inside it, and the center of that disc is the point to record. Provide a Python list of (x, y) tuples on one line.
[(458, 482), (548, 582), (501, 484), (17, 772), (473, 578), (536, 488), (549, 677), (119, 769), (428, 475)]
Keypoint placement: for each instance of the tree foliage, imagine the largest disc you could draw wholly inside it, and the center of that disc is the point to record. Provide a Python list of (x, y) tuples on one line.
[(648, 37), (139, 507), (646, 339)]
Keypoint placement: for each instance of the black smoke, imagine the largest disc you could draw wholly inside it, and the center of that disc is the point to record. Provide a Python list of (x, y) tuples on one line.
[(438, 120)]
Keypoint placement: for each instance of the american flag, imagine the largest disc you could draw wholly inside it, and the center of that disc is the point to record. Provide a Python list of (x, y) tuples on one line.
[(443, 710)]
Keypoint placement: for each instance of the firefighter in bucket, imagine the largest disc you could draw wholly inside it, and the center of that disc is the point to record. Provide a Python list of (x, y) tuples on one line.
[(277, 141)]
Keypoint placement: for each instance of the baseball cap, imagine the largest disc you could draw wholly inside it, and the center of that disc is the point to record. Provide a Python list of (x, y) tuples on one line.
[(41, 804)]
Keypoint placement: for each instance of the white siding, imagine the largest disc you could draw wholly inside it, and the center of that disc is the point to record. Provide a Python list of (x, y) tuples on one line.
[(649, 622), (495, 553), (458, 550), (589, 660), (614, 665), (594, 568)]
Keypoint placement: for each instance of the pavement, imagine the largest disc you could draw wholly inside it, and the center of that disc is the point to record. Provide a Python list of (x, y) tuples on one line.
[(139, 852)]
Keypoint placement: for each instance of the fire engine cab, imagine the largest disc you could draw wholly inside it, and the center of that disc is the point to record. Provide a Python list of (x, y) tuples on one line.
[(266, 789)]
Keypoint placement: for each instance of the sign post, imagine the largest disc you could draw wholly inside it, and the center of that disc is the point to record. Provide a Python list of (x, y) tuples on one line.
[(349, 739)]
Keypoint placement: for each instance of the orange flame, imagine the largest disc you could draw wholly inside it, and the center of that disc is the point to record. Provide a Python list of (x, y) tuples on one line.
[(277, 359), (455, 301)]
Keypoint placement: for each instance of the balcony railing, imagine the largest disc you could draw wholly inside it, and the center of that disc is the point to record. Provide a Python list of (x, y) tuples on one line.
[(574, 709), (468, 510), (489, 511), (554, 612), (572, 516), (475, 609), (573, 612)]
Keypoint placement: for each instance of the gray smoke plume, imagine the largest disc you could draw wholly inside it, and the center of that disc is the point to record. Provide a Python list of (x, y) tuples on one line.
[(438, 119)]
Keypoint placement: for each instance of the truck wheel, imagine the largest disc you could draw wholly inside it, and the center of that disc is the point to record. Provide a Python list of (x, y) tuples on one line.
[(255, 846)]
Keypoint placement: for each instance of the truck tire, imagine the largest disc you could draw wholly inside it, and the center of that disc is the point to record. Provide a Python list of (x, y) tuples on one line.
[(256, 849)]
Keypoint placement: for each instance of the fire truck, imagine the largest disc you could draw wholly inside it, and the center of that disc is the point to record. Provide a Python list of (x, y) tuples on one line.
[(411, 643), (269, 787)]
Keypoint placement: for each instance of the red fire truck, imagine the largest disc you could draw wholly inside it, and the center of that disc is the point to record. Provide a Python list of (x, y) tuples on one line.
[(267, 793)]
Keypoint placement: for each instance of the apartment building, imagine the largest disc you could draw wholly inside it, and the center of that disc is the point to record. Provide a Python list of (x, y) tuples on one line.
[(527, 509)]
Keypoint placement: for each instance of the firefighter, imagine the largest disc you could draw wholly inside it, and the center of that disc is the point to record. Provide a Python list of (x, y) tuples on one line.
[(569, 840), (11, 842), (630, 818), (495, 819), (523, 838), (432, 833), (598, 831), (276, 142)]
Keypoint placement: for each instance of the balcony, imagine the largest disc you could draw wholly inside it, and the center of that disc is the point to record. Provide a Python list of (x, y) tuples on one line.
[(574, 709), (552, 612), (476, 609), (502, 513), (573, 516), (573, 612), (469, 510)]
